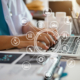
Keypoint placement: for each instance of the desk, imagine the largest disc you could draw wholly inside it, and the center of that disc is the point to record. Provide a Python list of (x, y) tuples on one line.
[(73, 73)]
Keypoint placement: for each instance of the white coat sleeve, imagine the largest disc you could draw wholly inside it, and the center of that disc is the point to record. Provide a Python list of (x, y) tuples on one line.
[(26, 12), (8, 18)]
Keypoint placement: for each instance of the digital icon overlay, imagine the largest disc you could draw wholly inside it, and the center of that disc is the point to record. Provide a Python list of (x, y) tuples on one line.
[(15, 41)]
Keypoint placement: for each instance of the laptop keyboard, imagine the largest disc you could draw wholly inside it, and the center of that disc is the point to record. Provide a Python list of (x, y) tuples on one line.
[(68, 45)]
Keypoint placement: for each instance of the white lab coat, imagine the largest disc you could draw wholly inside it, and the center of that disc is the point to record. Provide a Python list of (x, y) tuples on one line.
[(19, 12)]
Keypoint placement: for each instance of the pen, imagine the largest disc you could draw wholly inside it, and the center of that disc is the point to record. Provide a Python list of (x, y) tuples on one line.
[(59, 74), (56, 73), (49, 73)]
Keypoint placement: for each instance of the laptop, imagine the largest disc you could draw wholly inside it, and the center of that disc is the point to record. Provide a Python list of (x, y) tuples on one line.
[(68, 47)]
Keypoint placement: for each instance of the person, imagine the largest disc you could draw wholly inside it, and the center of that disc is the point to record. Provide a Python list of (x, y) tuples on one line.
[(16, 20)]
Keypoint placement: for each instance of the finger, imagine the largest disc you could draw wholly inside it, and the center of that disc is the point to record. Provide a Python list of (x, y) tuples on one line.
[(56, 33), (42, 38), (52, 34), (50, 39), (42, 45), (24, 44)]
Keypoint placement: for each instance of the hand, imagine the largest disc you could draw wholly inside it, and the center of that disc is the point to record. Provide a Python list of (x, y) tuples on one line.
[(29, 27), (44, 37)]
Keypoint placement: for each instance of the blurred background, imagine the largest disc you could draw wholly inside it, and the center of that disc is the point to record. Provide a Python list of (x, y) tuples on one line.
[(46, 3), (61, 11)]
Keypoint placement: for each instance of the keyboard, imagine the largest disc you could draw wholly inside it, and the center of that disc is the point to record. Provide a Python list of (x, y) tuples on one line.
[(68, 45)]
